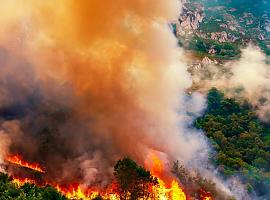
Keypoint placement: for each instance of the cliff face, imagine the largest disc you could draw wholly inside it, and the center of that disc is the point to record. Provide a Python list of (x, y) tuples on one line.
[(222, 27), (190, 19)]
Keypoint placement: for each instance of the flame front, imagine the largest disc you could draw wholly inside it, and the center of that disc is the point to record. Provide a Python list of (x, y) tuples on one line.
[(21, 182), (18, 160), (174, 191), (161, 191)]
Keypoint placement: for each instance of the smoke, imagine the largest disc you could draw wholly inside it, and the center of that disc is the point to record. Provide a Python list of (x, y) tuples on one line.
[(244, 79), (253, 67), (84, 83)]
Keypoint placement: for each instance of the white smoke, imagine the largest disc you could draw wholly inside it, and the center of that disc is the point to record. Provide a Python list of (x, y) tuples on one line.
[(245, 79)]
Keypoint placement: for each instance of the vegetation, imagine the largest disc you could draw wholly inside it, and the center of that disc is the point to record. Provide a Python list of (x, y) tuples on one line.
[(11, 191), (246, 21), (224, 50), (240, 139), (195, 185), (133, 181)]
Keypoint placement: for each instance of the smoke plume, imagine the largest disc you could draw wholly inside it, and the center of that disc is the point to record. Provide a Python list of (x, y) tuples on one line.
[(245, 79), (84, 83)]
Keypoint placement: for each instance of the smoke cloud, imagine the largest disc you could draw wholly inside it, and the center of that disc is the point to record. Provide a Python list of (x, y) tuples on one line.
[(84, 83), (244, 79)]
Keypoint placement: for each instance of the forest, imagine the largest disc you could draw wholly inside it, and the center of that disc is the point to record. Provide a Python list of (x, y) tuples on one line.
[(240, 140)]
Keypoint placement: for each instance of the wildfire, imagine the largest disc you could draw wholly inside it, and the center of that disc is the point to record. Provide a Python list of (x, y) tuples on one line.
[(21, 182), (77, 193), (72, 191), (205, 195), (157, 166), (163, 192), (207, 198), (174, 192), (18, 160)]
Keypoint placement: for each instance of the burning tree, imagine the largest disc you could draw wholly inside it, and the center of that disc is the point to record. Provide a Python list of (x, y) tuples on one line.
[(10, 189), (133, 181)]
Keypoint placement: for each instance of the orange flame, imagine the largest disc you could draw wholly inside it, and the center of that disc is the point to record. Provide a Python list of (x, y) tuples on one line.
[(72, 191), (157, 165), (18, 160), (21, 182), (207, 198), (75, 192), (163, 192), (174, 192), (205, 195)]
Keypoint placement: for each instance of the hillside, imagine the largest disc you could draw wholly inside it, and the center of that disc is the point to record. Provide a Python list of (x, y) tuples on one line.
[(215, 33), (220, 28)]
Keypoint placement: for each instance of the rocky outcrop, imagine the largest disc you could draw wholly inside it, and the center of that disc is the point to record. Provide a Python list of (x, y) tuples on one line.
[(223, 37), (207, 61), (190, 20), (220, 29)]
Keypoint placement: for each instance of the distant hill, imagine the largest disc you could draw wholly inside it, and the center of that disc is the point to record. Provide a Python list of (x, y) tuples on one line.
[(219, 28)]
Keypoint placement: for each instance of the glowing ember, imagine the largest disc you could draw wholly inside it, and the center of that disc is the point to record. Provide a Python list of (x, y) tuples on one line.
[(205, 195), (18, 160)]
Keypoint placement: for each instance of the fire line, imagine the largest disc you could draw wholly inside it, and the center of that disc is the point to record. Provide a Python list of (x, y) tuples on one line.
[(18, 160)]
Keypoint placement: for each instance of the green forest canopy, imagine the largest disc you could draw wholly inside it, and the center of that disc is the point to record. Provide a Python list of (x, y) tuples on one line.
[(240, 140)]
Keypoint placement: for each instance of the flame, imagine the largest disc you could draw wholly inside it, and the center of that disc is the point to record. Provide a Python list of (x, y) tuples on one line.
[(18, 160), (174, 192), (157, 165), (205, 195), (163, 192), (21, 182), (160, 192), (72, 191), (77, 193), (177, 192)]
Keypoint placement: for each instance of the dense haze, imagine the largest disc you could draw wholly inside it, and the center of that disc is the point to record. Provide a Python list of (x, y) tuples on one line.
[(86, 83)]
